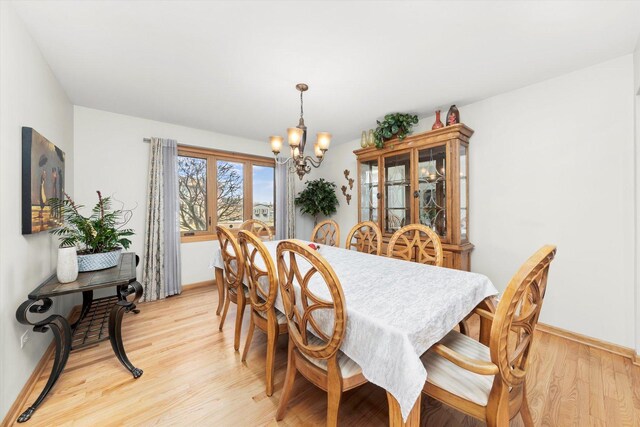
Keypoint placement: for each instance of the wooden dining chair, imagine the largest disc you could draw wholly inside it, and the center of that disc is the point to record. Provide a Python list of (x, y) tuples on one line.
[(235, 290), (327, 233), (416, 242), (365, 237), (488, 383), (314, 350), (262, 281), (258, 228)]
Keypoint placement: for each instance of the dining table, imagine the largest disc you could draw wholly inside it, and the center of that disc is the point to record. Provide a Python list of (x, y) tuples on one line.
[(396, 310)]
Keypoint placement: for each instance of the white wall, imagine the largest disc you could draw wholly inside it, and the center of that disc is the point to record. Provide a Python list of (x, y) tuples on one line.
[(112, 157), (31, 96), (551, 163)]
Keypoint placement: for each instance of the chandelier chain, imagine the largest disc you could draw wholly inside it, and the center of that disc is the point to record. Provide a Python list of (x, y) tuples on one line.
[(301, 105)]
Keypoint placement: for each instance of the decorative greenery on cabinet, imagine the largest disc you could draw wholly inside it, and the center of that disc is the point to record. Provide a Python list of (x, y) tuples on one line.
[(395, 124)]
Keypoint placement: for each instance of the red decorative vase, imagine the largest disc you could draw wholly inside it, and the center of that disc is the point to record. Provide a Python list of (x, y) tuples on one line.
[(453, 116), (437, 124)]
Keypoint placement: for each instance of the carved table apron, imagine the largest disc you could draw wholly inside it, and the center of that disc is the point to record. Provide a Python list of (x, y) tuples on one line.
[(99, 319)]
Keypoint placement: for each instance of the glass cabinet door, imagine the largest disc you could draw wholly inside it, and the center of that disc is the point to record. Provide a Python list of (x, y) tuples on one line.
[(432, 194), (464, 193), (369, 191), (397, 192)]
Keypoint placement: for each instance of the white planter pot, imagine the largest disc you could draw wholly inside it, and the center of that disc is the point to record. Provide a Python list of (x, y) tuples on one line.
[(67, 270), (93, 262)]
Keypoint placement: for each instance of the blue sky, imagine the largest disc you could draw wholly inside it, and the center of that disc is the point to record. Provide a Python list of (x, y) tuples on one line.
[(263, 187)]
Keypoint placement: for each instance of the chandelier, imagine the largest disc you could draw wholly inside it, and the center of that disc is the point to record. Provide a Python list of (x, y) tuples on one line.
[(297, 139)]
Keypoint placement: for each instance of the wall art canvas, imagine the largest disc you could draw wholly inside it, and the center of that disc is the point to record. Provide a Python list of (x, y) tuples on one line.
[(42, 179)]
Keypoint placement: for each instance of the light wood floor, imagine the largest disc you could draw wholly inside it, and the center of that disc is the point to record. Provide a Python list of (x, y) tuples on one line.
[(193, 377)]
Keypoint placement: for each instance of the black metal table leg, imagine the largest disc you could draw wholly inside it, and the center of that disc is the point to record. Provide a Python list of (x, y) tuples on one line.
[(87, 299), (115, 328), (124, 291), (62, 337)]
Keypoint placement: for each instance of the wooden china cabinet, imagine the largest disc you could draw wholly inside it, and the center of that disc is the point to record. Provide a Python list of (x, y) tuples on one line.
[(420, 180)]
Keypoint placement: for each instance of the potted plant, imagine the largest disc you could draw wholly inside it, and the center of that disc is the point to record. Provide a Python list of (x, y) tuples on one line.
[(395, 124), (99, 238), (318, 198)]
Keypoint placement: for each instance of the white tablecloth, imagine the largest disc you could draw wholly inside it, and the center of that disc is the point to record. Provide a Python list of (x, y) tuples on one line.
[(396, 310)]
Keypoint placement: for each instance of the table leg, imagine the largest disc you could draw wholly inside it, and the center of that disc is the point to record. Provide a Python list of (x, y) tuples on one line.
[(87, 299), (395, 416), (220, 285), (62, 338), (115, 329), (488, 304), (123, 291)]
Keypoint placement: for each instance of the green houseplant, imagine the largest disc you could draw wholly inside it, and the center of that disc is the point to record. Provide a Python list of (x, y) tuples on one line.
[(395, 124), (99, 238), (319, 197)]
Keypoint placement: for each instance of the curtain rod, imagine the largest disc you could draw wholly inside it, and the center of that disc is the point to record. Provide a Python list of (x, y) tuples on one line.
[(146, 140)]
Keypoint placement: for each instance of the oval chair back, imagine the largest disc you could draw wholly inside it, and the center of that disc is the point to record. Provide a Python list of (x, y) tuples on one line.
[(262, 280), (327, 233), (418, 243), (232, 277), (365, 237), (260, 271), (302, 272), (231, 258), (257, 227), (515, 321)]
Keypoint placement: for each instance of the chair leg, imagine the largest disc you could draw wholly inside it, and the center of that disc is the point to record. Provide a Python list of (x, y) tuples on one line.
[(464, 327), (272, 338), (224, 312), (247, 344), (525, 412), (239, 315), (288, 383), (498, 406), (221, 291), (334, 391)]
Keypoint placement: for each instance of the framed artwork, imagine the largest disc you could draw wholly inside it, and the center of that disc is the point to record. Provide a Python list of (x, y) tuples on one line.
[(42, 179)]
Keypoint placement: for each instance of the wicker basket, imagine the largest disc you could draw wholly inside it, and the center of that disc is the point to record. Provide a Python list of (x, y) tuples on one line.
[(93, 262)]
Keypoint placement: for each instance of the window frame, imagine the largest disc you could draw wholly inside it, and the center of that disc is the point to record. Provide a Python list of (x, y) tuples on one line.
[(212, 156)]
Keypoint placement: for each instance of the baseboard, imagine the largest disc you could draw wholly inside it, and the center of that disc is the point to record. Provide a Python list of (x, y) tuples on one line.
[(19, 405), (197, 285), (620, 350)]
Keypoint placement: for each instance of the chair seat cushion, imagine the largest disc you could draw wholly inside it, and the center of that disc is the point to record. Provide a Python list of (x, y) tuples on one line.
[(348, 368), (454, 379), (244, 288), (281, 318)]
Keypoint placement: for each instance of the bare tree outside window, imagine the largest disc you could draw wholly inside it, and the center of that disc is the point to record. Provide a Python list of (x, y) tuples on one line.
[(230, 193), (192, 187), (198, 182)]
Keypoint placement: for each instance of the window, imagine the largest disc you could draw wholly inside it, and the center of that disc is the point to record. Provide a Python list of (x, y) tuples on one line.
[(264, 194), (192, 186), (230, 187), (243, 185)]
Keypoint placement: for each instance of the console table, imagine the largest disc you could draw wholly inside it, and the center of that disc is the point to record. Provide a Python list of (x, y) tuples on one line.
[(99, 319)]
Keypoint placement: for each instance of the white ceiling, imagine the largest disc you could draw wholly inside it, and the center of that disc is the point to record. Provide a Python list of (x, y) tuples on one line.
[(231, 67)]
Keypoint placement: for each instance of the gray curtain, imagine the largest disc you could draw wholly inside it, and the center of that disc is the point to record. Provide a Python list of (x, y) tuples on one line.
[(281, 202), (161, 258), (291, 206)]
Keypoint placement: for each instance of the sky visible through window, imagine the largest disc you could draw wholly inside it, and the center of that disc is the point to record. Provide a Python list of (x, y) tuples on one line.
[(263, 185)]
